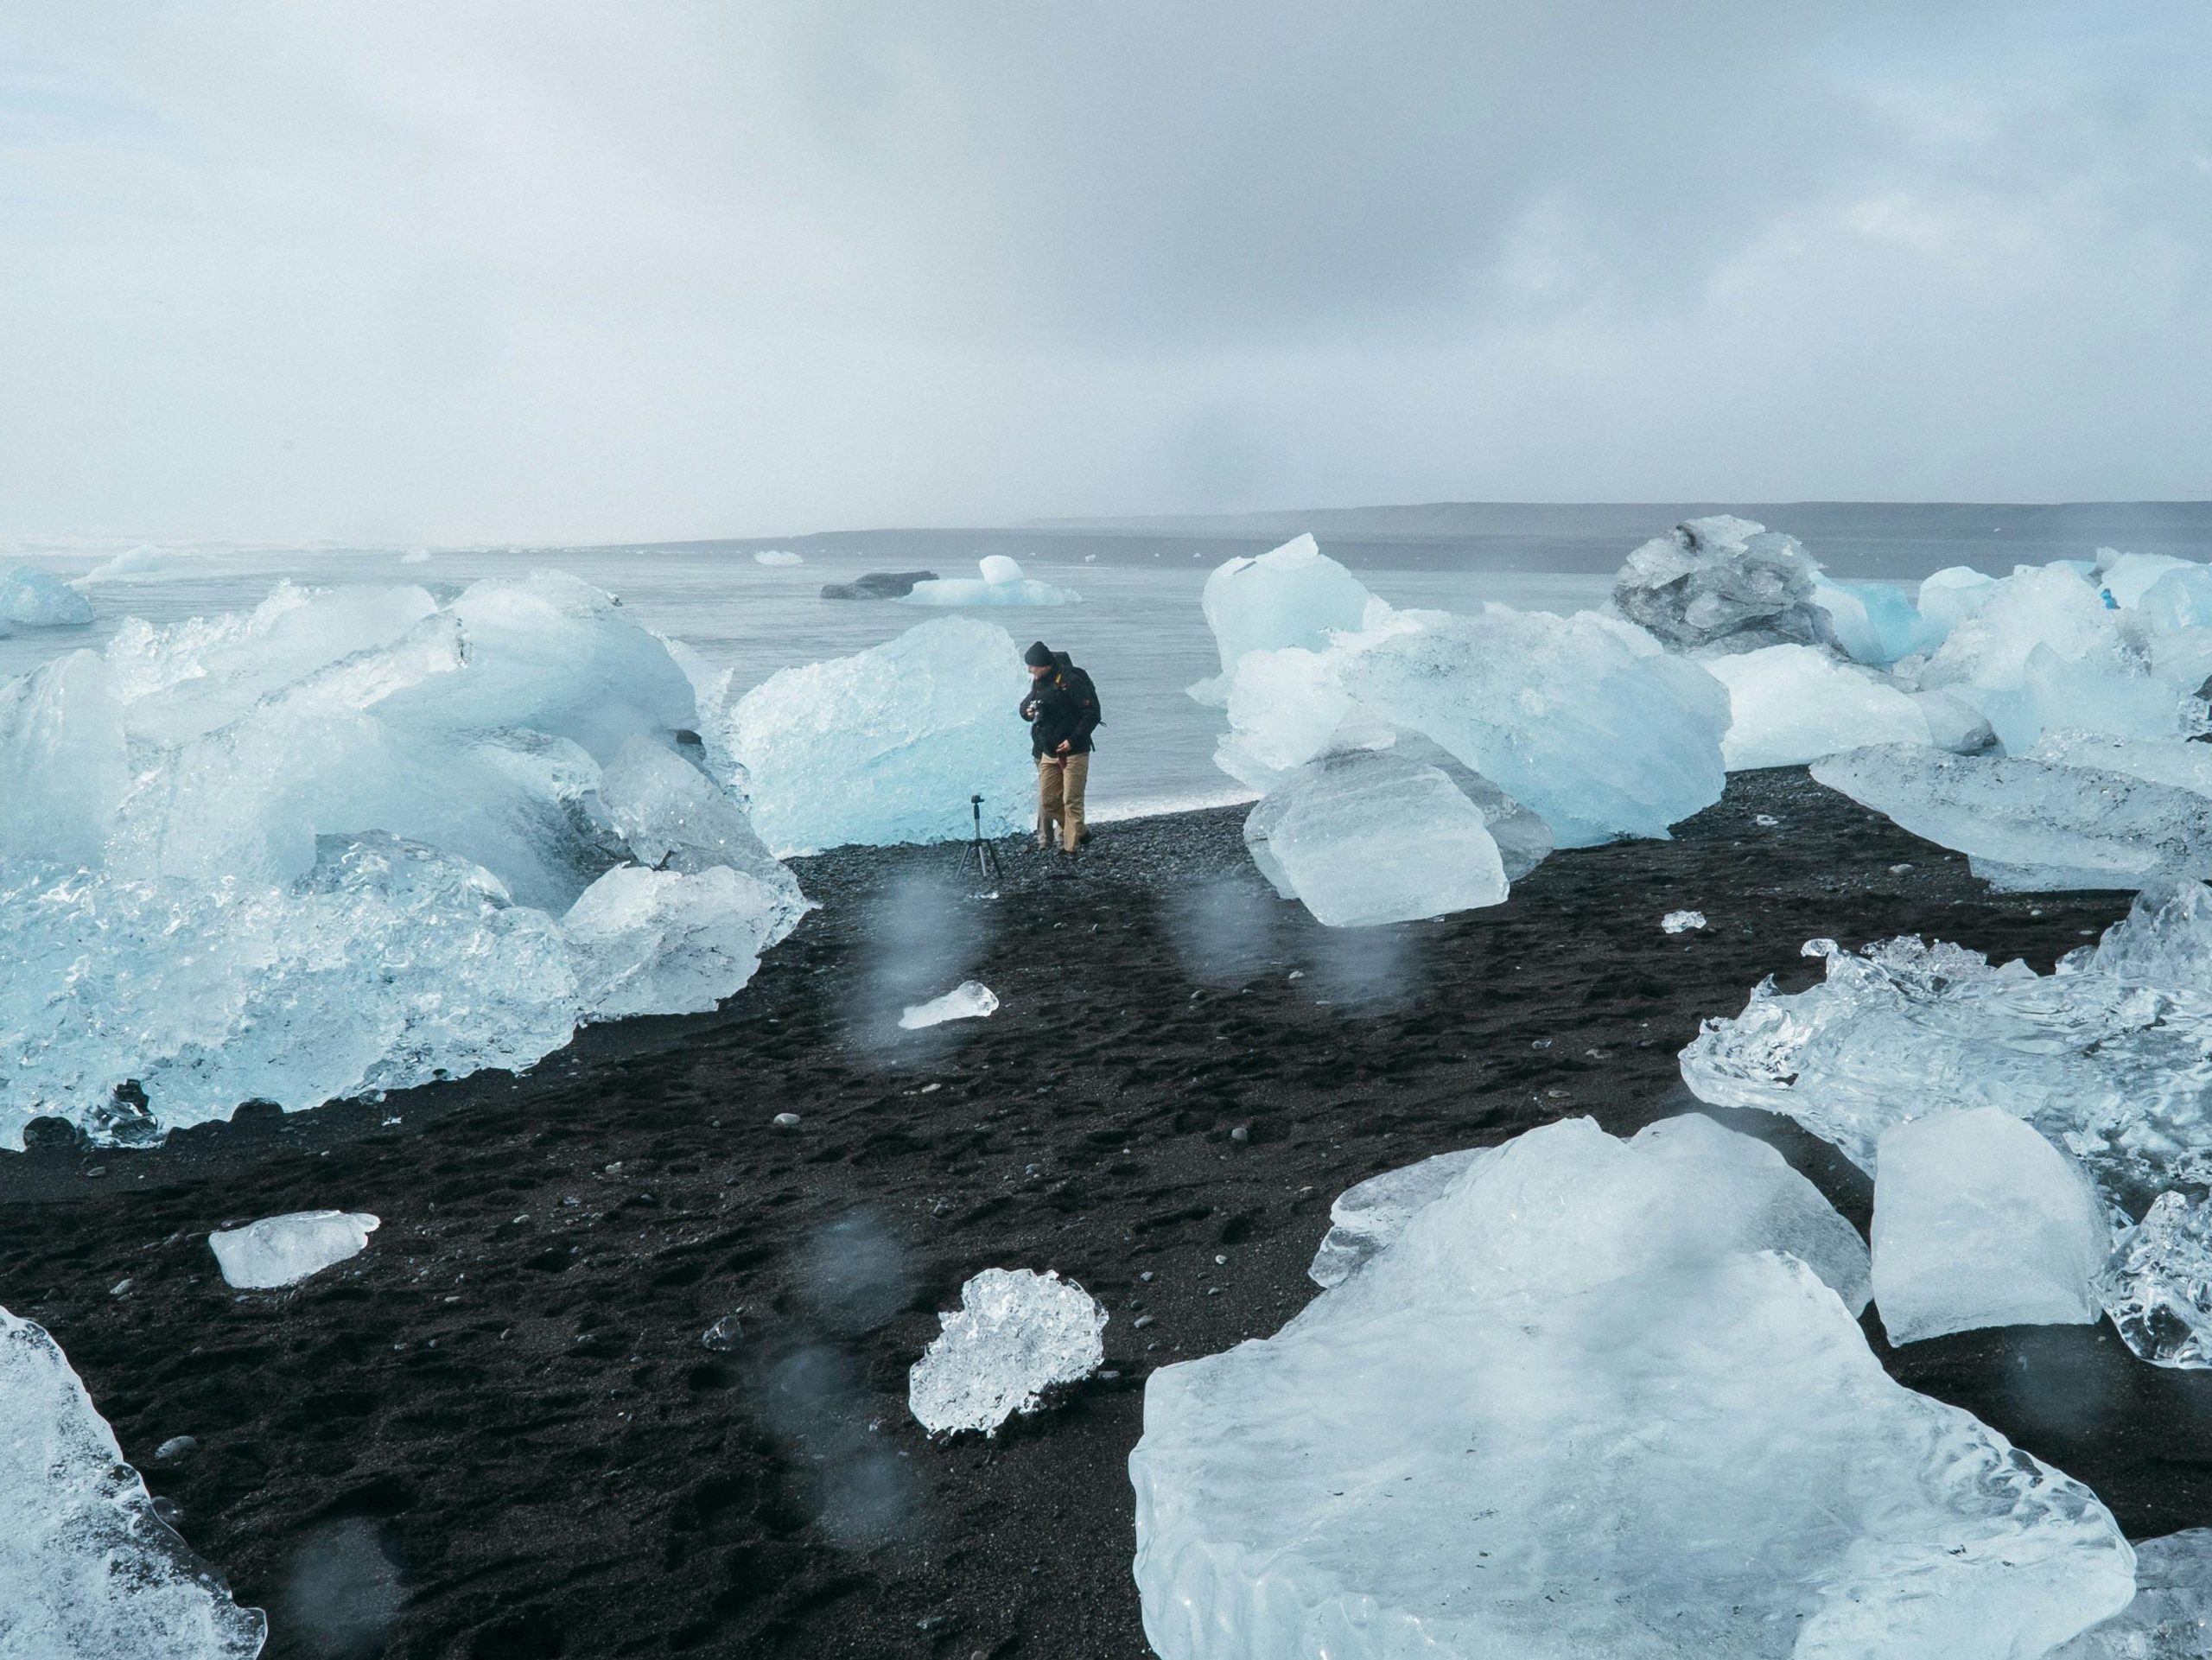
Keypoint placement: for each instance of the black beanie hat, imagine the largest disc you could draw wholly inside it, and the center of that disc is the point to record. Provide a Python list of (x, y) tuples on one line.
[(1039, 656)]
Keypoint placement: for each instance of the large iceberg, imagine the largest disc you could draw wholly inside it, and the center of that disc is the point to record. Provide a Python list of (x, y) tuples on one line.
[(1980, 1221), (1292, 595), (330, 846), (1367, 836), (1015, 1335), (1001, 583), (39, 599), (1790, 704), (1724, 584), (2030, 825), (1595, 1400), (88, 1570), (888, 746)]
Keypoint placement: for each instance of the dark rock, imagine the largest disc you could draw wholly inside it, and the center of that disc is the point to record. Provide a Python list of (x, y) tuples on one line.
[(54, 1135), (878, 585)]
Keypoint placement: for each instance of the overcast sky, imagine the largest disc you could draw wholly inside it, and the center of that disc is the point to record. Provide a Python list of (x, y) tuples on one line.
[(397, 271)]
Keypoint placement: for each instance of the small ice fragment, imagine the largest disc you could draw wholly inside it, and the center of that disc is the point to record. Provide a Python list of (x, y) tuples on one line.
[(1765, 821), (778, 557), (2170, 1617), (1682, 922), (2157, 1285), (1979, 1221), (969, 1000), (782, 1121), (722, 1336), (177, 1447), (416, 556), (1015, 1334), (280, 1250)]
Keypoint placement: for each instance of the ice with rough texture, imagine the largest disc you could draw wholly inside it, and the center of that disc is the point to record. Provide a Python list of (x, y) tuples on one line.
[(972, 1000), (1790, 704), (666, 941), (1367, 1216), (1724, 584), (1001, 583), (1682, 922), (1980, 1221), (887, 746), (2170, 1617), (1015, 1334), (1292, 595), (280, 1250), (2029, 825), (1367, 837), (2157, 1284), (88, 1570), (778, 557), (39, 599), (1594, 1401)]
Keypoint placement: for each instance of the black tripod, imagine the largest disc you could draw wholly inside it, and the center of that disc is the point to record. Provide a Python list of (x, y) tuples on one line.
[(987, 859)]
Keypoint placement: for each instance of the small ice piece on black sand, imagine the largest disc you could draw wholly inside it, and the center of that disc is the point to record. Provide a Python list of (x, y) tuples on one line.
[(722, 1336), (1015, 1334), (88, 1569), (2172, 1615), (281, 1250), (1980, 1221), (2157, 1285), (1682, 922), (782, 1121), (969, 1000), (176, 1447), (1765, 821)]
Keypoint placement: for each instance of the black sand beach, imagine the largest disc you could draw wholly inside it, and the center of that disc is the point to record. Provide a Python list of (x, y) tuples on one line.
[(496, 1434)]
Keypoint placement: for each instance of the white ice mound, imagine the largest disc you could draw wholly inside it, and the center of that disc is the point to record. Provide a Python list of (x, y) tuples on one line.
[(39, 599), (1292, 595), (2170, 1617), (87, 1570), (1591, 1401), (1724, 584), (887, 745), (778, 557), (1370, 1215), (1790, 704), (280, 1250), (1368, 837), (1001, 583), (323, 847), (2033, 825), (1015, 1335), (972, 1000), (1980, 1221), (1953, 595)]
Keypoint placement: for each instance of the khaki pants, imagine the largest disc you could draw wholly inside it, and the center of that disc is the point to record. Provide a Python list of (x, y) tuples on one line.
[(1059, 798)]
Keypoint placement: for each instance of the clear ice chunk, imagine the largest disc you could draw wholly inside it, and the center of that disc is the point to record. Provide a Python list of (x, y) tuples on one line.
[(674, 941), (1367, 837), (1291, 597), (887, 746), (1593, 1401), (1790, 704), (2157, 1285), (778, 557), (1369, 1215), (39, 599), (1724, 584), (280, 1250), (1979, 1221), (2029, 825), (970, 999), (1682, 922), (2170, 1617), (1015, 1335), (88, 1570)]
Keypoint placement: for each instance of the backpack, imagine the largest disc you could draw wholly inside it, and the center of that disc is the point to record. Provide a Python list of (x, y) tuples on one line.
[(1078, 681)]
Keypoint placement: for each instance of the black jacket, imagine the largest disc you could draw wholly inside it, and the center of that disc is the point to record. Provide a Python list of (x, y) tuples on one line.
[(1063, 706)]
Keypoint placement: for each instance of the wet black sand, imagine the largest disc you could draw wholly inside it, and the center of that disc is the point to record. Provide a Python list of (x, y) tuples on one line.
[(496, 1434)]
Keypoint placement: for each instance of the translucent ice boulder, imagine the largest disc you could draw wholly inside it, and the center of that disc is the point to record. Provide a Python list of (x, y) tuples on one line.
[(1980, 1221), (280, 1250), (672, 941), (1875, 623), (1001, 583), (1724, 584), (1292, 595), (1790, 704), (2157, 1285), (88, 1570), (1367, 1216), (2030, 825), (1367, 837), (887, 745), (39, 599), (1594, 1400), (2170, 1617), (1015, 1335), (972, 1000)]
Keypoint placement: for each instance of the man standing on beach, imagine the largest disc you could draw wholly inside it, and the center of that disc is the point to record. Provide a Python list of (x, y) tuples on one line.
[(1062, 709)]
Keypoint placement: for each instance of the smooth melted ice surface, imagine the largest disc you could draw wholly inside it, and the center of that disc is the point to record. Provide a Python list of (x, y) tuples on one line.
[(280, 1250)]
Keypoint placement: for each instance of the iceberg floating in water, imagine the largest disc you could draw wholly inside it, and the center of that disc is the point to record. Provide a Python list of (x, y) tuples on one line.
[(1594, 1399), (1367, 837), (1790, 704), (972, 1000), (887, 746), (1291, 597), (778, 557), (280, 1250), (39, 599), (88, 1570), (1015, 1335), (2029, 825), (1724, 584), (1980, 1221), (328, 846), (1001, 583)]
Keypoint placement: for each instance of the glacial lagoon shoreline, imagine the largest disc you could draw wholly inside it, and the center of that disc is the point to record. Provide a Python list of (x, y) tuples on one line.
[(505, 1397)]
